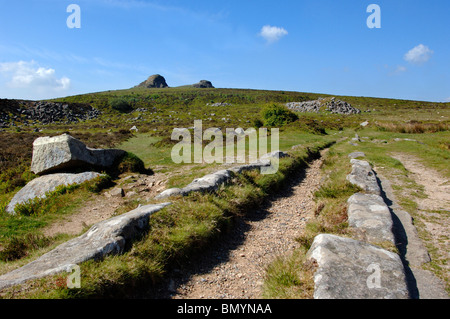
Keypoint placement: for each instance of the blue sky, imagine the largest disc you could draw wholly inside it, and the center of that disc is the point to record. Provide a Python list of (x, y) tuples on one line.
[(320, 46)]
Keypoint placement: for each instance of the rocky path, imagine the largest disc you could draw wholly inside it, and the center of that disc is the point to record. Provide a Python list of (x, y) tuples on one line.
[(235, 268)]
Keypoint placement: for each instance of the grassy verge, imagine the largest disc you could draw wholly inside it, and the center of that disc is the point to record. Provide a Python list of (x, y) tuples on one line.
[(175, 233)]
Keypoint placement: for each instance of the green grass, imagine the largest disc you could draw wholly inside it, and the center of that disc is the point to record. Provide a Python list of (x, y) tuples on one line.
[(185, 96), (178, 107), (142, 145), (156, 152), (428, 147), (290, 277)]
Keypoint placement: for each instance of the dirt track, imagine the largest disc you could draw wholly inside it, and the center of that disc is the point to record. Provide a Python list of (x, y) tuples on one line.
[(236, 267)]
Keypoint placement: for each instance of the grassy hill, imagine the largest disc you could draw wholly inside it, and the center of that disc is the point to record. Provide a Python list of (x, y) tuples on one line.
[(156, 112), (189, 99)]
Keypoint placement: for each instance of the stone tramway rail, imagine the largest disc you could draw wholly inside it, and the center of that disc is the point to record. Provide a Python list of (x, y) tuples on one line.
[(359, 269)]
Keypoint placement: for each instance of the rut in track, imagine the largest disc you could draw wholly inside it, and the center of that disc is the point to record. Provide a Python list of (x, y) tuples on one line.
[(235, 267)]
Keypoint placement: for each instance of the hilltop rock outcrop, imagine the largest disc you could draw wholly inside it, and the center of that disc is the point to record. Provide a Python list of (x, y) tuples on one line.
[(154, 81), (203, 84)]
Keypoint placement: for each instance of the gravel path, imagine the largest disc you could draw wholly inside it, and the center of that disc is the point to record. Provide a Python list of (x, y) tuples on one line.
[(235, 267)]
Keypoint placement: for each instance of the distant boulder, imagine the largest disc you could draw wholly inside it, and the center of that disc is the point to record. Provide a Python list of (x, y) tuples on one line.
[(154, 81), (203, 84)]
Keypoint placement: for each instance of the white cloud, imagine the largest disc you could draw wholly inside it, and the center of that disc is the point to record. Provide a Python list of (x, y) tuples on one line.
[(400, 69), (419, 54), (395, 70), (30, 76), (272, 34)]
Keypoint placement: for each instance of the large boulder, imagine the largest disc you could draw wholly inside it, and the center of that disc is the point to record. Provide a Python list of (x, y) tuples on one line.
[(351, 269), (154, 81), (108, 237), (203, 84), (64, 153), (39, 187), (369, 214)]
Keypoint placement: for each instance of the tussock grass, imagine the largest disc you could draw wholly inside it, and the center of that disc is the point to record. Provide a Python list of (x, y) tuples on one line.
[(17, 247), (290, 277), (413, 127)]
